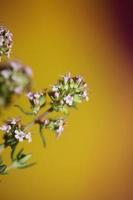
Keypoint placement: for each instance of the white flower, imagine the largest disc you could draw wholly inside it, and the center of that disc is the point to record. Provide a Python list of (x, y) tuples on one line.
[(46, 122), (67, 77), (60, 122), (59, 130), (9, 35), (37, 95), (85, 95), (5, 128), (20, 135), (69, 100), (18, 90), (13, 121), (1, 40), (55, 88), (16, 65), (6, 73), (79, 79), (28, 71), (85, 85), (56, 94), (5, 41), (28, 137), (30, 95)]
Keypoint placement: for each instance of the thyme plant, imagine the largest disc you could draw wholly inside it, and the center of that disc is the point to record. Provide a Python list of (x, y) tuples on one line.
[(65, 94)]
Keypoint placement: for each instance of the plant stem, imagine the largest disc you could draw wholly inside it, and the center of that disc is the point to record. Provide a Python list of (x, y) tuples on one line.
[(29, 125), (41, 117), (12, 166), (1, 147), (38, 119)]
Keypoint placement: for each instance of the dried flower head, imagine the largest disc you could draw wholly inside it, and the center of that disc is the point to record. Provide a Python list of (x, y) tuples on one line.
[(6, 41)]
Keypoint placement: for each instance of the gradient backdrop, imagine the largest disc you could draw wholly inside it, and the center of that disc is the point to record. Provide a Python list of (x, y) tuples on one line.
[(93, 160)]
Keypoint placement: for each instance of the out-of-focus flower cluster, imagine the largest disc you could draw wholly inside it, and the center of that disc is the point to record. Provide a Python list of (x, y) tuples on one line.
[(14, 133), (15, 78), (68, 92), (56, 125), (6, 41), (37, 100)]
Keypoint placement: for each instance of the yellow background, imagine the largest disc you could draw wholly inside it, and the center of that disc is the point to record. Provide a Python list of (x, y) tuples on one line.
[(93, 158)]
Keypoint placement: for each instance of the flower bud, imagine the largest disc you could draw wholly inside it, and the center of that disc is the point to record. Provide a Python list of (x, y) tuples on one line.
[(56, 125), (37, 100)]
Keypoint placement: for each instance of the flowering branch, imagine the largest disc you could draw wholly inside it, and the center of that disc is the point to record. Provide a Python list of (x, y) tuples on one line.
[(65, 94)]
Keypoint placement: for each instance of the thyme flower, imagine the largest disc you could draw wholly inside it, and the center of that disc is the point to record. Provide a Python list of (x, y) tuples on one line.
[(37, 100), (14, 132), (15, 78), (68, 92), (6, 41), (19, 135), (56, 125)]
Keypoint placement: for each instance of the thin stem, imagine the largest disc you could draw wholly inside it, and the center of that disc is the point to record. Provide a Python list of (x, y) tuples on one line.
[(1, 148), (42, 137), (29, 125), (12, 166), (41, 117), (38, 119), (23, 111)]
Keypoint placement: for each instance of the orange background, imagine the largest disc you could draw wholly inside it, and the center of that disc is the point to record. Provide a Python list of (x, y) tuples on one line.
[(93, 158)]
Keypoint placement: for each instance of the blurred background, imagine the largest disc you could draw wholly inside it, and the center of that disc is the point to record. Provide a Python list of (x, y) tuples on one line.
[(93, 159)]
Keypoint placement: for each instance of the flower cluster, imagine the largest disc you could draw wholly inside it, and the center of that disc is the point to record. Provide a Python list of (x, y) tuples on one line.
[(37, 100), (15, 78), (6, 41), (14, 132), (68, 92), (55, 125)]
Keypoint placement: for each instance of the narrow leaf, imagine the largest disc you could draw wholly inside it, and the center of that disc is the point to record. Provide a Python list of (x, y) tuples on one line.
[(23, 111), (42, 136)]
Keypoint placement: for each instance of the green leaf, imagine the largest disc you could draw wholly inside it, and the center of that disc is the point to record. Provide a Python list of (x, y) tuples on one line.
[(36, 109), (23, 111), (77, 99), (27, 166), (20, 154), (42, 101), (64, 110), (42, 136), (25, 159), (2, 168), (12, 153)]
